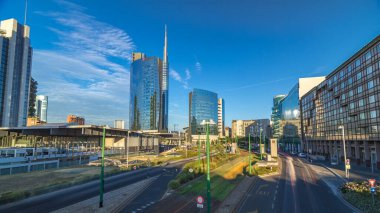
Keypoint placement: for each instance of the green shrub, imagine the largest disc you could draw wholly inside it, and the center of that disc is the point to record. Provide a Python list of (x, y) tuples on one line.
[(173, 184)]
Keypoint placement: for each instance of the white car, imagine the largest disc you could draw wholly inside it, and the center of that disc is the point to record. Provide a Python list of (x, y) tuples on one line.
[(302, 155)]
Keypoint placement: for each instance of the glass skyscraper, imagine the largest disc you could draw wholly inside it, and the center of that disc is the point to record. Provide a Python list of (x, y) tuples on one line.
[(145, 94), (149, 92), (203, 105), (41, 107), (15, 73)]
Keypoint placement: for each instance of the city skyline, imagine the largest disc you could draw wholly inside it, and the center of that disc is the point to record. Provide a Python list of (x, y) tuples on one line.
[(98, 76)]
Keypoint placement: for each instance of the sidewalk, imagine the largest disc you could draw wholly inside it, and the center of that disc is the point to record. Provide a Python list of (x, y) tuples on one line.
[(113, 201), (355, 173)]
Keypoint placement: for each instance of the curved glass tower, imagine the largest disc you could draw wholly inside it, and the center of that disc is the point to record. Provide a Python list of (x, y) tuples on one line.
[(144, 93), (203, 105)]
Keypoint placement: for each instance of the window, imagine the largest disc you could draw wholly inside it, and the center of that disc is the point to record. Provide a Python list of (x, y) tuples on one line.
[(350, 81), (349, 68), (373, 114), (361, 102), (360, 89), (362, 116), (370, 84), (369, 70), (359, 76), (368, 55), (357, 62), (371, 99), (343, 96), (374, 129), (350, 93), (342, 85), (352, 105), (341, 73)]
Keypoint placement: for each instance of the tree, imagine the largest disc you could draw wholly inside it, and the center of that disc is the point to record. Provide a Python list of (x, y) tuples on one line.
[(32, 97)]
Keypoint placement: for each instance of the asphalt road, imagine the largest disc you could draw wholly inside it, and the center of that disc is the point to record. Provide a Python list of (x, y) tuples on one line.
[(296, 189), (65, 197)]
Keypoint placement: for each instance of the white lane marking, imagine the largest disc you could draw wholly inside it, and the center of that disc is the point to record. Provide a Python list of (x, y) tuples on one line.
[(272, 205)]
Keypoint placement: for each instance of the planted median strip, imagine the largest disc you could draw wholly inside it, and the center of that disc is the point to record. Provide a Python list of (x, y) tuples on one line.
[(359, 195)]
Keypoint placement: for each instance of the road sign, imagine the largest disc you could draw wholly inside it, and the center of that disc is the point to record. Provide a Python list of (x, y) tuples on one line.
[(372, 182), (373, 189), (191, 170), (200, 201)]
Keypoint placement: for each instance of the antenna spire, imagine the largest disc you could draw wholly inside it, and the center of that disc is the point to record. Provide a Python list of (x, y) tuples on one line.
[(26, 11)]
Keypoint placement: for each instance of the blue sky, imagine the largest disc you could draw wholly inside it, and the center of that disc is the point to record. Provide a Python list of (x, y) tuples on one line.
[(246, 51)]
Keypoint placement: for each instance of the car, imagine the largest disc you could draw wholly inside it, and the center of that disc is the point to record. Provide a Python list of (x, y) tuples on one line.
[(293, 153), (302, 155)]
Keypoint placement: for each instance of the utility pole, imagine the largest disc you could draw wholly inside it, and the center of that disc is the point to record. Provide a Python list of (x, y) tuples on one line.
[(128, 141), (102, 170), (344, 149), (208, 169), (199, 154), (261, 151), (249, 151)]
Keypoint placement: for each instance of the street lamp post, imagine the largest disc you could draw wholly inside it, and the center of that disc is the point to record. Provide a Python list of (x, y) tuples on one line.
[(128, 151), (102, 170), (344, 149), (207, 123), (261, 151), (249, 151), (199, 154)]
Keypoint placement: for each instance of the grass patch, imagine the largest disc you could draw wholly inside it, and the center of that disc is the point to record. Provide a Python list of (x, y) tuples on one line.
[(358, 194), (223, 180)]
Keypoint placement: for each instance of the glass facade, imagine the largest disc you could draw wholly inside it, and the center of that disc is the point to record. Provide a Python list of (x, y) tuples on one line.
[(290, 108), (350, 97), (203, 105), (145, 94), (276, 115), (3, 71)]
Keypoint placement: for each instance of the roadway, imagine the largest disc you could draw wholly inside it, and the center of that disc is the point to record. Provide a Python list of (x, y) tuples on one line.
[(68, 196), (296, 189)]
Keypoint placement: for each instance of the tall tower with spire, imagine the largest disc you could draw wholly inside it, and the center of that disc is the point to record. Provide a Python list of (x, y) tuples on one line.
[(164, 87)]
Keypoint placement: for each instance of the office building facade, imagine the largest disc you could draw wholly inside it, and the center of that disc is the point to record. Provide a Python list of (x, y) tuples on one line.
[(239, 127), (221, 110), (348, 98), (289, 124), (276, 115), (74, 119), (259, 127), (41, 107), (148, 107), (119, 124), (203, 105), (15, 73)]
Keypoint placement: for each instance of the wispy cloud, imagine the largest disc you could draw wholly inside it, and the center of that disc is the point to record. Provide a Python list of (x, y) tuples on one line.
[(87, 74), (198, 66), (262, 83), (183, 80)]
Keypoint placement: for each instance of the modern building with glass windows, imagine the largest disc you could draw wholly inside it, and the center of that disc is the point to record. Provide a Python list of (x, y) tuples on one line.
[(145, 93), (289, 124), (203, 105), (15, 73), (221, 117), (276, 115), (41, 107), (149, 91), (348, 98)]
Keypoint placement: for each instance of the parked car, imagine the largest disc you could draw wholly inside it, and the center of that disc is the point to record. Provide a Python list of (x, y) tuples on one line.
[(302, 155), (293, 153)]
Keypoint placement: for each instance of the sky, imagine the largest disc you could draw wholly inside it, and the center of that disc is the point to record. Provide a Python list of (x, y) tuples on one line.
[(247, 51)]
